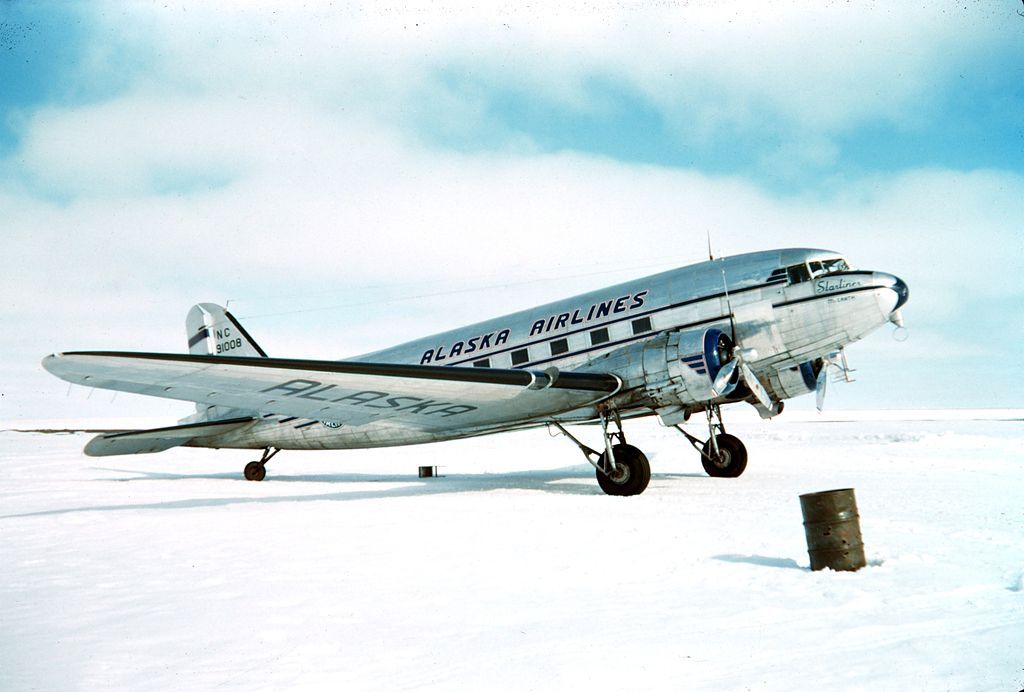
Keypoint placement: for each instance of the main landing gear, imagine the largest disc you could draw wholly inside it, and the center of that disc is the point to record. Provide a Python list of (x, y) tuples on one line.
[(622, 469), (257, 470), (722, 455)]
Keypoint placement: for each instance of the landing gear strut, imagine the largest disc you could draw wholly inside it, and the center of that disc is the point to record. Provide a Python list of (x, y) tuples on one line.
[(722, 455), (257, 470), (622, 469)]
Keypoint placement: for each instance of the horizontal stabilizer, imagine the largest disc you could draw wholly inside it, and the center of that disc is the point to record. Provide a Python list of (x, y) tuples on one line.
[(158, 439)]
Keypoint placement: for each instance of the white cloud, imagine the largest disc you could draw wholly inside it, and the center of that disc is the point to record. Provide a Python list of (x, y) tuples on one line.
[(266, 154), (316, 195), (709, 68), (347, 203)]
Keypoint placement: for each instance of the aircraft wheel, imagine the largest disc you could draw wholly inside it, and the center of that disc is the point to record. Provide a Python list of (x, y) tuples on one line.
[(732, 457), (631, 475), (255, 471)]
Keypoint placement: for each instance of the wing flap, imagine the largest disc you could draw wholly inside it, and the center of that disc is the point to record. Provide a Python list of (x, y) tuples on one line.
[(352, 393)]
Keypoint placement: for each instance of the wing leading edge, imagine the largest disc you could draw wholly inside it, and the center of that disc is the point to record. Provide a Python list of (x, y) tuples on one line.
[(423, 397)]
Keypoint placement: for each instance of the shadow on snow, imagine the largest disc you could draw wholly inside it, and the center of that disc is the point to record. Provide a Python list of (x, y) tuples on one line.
[(763, 561), (570, 481)]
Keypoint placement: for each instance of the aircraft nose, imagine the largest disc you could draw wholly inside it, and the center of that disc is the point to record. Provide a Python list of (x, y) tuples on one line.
[(902, 292), (898, 286)]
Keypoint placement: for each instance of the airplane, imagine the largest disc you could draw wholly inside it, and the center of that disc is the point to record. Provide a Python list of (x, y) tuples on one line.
[(760, 328)]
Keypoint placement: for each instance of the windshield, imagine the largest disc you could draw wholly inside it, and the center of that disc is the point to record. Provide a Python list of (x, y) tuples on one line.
[(798, 273), (828, 266)]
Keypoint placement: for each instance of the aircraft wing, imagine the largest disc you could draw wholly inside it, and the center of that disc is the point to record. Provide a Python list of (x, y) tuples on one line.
[(350, 393)]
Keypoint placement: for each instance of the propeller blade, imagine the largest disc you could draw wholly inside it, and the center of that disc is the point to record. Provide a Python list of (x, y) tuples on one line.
[(721, 382), (755, 386), (821, 385)]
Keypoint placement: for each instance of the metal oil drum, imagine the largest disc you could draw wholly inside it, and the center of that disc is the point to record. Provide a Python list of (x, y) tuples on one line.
[(832, 527)]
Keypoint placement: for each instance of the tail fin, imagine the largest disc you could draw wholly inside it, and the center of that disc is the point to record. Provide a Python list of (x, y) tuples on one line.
[(213, 331)]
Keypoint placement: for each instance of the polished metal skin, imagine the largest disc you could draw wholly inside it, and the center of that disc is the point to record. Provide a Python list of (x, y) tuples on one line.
[(649, 346)]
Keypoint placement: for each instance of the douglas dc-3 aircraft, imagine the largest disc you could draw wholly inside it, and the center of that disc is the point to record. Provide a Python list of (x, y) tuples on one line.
[(756, 328)]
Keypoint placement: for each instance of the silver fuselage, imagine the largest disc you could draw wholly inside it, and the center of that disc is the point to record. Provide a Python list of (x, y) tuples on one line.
[(783, 316)]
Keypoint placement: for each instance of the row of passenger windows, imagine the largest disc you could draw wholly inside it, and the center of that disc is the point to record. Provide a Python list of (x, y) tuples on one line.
[(560, 346)]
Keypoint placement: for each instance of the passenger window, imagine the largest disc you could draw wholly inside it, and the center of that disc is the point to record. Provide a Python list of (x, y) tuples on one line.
[(599, 336), (559, 346), (521, 356), (485, 363), (642, 325)]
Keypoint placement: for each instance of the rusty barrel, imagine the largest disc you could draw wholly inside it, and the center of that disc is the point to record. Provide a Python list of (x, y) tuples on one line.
[(832, 527)]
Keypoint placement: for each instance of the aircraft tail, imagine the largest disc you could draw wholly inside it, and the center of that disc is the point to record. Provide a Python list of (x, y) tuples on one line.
[(213, 331)]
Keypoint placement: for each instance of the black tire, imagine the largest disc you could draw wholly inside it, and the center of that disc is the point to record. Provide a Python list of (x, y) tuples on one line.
[(732, 458), (255, 471), (631, 475)]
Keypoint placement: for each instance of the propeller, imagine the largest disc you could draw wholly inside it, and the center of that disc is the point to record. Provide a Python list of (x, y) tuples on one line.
[(738, 361), (821, 384), (739, 356), (835, 360)]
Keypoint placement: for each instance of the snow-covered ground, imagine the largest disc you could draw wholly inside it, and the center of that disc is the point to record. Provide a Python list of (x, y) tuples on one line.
[(513, 570)]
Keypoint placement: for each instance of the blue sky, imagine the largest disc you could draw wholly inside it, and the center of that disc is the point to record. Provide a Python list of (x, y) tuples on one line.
[(972, 121), (352, 176)]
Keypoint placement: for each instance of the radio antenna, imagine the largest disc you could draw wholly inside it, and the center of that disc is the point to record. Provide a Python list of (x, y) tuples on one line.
[(710, 254)]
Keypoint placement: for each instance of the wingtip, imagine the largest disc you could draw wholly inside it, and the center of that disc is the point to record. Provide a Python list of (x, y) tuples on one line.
[(50, 362)]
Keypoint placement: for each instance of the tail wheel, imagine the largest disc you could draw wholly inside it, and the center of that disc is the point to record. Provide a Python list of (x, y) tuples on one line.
[(255, 471), (631, 475), (731, 460)]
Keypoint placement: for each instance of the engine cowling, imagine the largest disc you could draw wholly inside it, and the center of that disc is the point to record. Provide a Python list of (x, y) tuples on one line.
[(680, 367), (673, 373), (796, 381)]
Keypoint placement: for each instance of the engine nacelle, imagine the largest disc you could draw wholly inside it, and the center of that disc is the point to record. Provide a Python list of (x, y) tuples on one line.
[(795, 381), (680, 367), (673, 373)]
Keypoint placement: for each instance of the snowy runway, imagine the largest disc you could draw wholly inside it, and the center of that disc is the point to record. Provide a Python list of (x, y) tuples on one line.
[(514, 571)]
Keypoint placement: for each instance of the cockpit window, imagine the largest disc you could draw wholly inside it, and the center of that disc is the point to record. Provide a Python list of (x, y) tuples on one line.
[(829, 266), (798, 273)]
